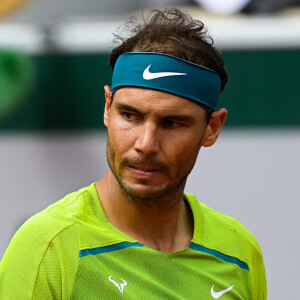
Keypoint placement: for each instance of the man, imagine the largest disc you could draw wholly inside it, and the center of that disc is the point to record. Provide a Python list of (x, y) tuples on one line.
[(136, 234)]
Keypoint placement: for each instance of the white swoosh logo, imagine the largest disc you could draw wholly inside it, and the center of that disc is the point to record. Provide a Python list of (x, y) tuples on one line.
[(219, 294), (119, 286), (147, 75)]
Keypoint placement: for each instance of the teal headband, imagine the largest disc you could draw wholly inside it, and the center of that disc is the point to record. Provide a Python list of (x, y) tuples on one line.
[(169, 74)]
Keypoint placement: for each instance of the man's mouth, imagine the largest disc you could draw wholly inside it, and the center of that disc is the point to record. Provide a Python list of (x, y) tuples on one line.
[(143, 168), (143, 171)]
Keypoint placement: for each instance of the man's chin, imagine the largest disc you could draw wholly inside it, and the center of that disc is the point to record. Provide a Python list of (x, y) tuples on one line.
[(140, 191)]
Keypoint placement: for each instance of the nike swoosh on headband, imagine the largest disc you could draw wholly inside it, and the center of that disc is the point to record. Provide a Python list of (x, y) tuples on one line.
[(147, 75)]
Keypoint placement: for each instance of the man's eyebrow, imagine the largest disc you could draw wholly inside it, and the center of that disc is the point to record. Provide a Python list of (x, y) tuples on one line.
[(122, 106), (182, 118)]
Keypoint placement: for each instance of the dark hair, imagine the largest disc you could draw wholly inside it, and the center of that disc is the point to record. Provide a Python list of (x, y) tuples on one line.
[(172, 32)]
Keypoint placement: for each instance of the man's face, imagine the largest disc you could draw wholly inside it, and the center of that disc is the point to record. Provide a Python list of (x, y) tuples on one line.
[(153, 140)]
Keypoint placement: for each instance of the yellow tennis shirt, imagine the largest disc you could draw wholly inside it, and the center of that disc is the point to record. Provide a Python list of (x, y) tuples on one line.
[(71, 251)]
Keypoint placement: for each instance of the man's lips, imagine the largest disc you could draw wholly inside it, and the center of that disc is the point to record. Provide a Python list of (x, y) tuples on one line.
[(143, 171), (144, 168), (150, 165)]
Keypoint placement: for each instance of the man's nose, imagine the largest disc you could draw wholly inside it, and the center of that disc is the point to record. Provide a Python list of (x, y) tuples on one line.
[(147, 139)]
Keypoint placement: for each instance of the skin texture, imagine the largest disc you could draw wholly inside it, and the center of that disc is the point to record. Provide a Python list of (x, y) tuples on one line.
[(153, 142)]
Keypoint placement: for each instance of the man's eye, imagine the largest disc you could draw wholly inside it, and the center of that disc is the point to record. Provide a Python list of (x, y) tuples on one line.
[(126, 115), (171, 123), (129, 116)]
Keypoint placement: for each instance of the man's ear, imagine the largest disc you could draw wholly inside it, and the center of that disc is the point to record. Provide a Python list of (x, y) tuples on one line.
[(214, 127), (108, 99)]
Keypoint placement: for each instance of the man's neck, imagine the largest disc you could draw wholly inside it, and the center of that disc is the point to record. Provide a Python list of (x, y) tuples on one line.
[(166, 230)]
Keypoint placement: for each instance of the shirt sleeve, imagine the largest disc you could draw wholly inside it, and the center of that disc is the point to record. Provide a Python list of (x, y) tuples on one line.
[(254, 258), (41, 261), (258, 275)]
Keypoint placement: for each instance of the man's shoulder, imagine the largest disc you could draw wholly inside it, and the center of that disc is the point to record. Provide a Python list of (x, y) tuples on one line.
[(59, 215), (43, 242), (43, 227), (221, 232)]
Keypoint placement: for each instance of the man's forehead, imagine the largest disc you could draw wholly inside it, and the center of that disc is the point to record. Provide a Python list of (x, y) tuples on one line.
[(147, 99)]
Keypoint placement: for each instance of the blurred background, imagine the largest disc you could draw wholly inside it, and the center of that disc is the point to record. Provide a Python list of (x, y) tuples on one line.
[(54, 64)]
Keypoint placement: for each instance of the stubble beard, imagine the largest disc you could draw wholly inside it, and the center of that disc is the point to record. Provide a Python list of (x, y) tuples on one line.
[(164, 199)]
